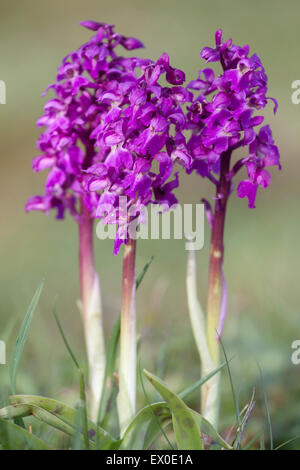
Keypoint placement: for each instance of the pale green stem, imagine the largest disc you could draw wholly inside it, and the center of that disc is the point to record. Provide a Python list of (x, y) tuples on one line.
[(209, 391), (126, 400), (91, 311)]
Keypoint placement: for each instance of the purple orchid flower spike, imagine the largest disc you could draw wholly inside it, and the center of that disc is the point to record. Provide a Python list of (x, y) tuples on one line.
[(227, 122), (68, 146), (224, 116), (91, 83)]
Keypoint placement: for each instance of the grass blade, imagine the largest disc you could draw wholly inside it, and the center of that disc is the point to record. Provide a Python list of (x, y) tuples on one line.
[(143, 272), (23, 333), (237, 409), (109, 368), (293, 439), (192, 388), (267, 407), (83, 410), (68, 347), (83, 403)]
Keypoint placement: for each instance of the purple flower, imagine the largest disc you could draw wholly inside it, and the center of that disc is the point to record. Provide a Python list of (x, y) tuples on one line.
[(68, 146), (142, 126), (227, 120), (263, 153), (108, 124)]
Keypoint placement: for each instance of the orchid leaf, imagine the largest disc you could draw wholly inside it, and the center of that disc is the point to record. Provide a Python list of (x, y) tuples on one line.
[(144, 428), (60, 416)]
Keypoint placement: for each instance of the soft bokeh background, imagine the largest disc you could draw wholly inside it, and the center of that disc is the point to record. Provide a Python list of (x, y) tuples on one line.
[(262, 245)]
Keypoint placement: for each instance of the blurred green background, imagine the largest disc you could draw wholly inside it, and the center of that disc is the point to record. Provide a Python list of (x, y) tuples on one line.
[(262, 245)]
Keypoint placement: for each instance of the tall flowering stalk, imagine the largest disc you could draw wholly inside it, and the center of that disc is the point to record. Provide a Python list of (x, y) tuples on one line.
[(68, 150), (145, 128), (220, 125), (127, 368), (91, 308)]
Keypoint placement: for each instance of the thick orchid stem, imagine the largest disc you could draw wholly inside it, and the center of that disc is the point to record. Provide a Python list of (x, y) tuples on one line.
[(91, 310), (211, 390), (127, 367)]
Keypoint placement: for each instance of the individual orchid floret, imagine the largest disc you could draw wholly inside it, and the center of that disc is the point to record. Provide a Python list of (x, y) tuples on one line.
[(263, 153)]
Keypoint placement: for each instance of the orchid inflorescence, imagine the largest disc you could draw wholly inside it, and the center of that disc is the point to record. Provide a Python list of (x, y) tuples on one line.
[(68, 146), (109, 122), (226, 122)]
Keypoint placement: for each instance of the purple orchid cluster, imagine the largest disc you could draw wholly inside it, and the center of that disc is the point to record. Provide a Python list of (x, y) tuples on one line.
[(226, 122), (110, 120), (143, 125), (112, 123), (70, 118)]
